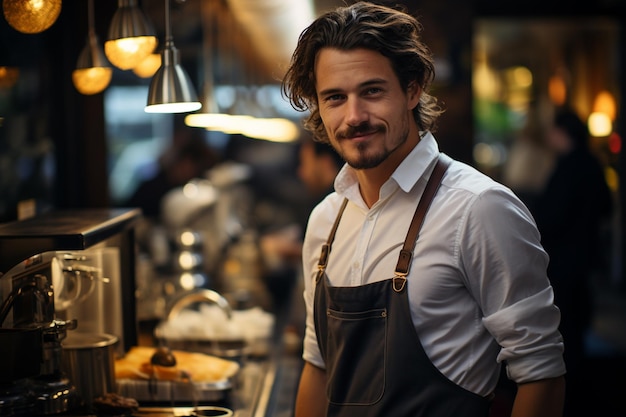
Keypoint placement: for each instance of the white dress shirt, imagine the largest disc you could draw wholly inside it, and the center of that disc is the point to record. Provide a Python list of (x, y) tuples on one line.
[(477, 284)]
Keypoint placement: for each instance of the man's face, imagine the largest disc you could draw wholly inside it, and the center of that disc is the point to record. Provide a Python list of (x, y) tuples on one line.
[(366, 113)]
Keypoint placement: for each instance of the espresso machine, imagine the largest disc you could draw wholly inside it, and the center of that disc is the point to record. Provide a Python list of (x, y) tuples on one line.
[(32, 381), (61, 273)]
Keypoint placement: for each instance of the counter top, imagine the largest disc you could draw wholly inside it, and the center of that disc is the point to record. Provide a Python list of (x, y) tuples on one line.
[(265, 388), (251, 396), (60, 230)]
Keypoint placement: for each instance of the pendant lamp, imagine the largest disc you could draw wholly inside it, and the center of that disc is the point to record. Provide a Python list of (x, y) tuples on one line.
[(149, 66), (93, 72), (171, 90), (131, 36), (31, 16)]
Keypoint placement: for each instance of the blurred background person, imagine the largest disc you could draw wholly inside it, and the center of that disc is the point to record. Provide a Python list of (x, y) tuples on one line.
[(318, 165), (529, 161), (570, 212), (188, 157)]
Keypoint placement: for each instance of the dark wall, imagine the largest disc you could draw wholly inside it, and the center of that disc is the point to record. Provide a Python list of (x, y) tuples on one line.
[(44, 115), (52, 139)]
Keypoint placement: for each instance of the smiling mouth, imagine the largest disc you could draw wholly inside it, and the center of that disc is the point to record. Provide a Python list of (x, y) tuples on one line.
[(361, 134)]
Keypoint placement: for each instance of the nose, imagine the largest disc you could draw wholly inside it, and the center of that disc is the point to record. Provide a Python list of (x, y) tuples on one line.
[(356, 111)]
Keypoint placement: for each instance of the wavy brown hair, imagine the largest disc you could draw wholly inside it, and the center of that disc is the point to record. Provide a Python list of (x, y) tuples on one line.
[(392, 32)]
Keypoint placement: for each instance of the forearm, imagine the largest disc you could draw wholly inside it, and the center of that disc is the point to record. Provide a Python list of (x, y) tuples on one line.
[(543, 398), (311, 397)]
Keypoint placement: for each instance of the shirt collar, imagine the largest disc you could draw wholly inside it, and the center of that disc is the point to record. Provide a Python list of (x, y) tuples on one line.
[(405, 176), (416, 163)]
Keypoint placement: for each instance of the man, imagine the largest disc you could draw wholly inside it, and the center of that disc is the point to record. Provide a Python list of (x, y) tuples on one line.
[(428, 341)]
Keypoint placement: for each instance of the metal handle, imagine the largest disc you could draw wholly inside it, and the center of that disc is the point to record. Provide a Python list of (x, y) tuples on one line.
[(201, 295)]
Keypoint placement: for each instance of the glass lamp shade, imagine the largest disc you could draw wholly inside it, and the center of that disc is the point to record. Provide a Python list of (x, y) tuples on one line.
[(131, 37), (93, 72), (90, 81), (171, 90), (31, 16), (147, 67)]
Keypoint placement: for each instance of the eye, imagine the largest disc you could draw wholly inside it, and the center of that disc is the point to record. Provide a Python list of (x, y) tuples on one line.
[(334, 97), (373, 91)]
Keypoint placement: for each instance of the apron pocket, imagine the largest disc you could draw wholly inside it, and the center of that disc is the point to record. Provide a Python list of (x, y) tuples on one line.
[(357, 341)]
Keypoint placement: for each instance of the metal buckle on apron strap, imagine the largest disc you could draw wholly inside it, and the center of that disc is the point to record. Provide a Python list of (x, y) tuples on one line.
[(399, 281), (323, 260), (402, 270)]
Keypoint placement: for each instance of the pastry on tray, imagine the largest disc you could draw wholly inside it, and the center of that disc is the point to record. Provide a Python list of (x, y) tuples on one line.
[(193, 366)]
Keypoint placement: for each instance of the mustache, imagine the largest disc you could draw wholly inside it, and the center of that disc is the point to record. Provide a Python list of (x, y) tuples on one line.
[(362, 129)]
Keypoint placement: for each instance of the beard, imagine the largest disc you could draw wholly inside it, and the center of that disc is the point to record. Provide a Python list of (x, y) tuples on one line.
[(365, 159), (368, 155)]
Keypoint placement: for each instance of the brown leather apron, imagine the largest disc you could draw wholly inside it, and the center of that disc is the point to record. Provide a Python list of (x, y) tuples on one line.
[(375, 363)]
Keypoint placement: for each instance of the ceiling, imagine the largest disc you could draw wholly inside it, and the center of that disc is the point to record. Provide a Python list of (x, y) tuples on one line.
[(257, 36), (252, 38)]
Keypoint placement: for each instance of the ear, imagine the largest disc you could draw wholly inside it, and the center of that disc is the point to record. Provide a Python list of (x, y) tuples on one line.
[(413, 94)]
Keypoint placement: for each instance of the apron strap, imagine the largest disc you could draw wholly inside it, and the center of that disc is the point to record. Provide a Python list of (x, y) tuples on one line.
[(406, 254), (323, 260)]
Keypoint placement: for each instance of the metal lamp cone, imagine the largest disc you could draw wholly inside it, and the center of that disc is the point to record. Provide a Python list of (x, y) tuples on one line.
[(131, 37), (171, 90), (93, 72), (92, 55)]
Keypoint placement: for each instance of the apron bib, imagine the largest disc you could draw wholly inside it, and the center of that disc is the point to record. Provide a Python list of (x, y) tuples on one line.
[(375, 363)]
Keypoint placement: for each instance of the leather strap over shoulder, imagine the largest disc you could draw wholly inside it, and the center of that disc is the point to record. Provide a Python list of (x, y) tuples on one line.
[(406, 254), (323, 260)]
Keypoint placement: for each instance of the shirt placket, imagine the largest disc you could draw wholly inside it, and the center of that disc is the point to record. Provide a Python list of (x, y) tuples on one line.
[(362, 244)]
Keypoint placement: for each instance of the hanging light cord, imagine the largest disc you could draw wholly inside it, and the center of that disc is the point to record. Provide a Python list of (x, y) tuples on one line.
[(91, 18), (169, 40)]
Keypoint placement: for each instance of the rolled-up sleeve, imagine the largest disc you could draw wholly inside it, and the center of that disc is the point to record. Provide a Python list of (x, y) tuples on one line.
[(531, 346), (506, 273)]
